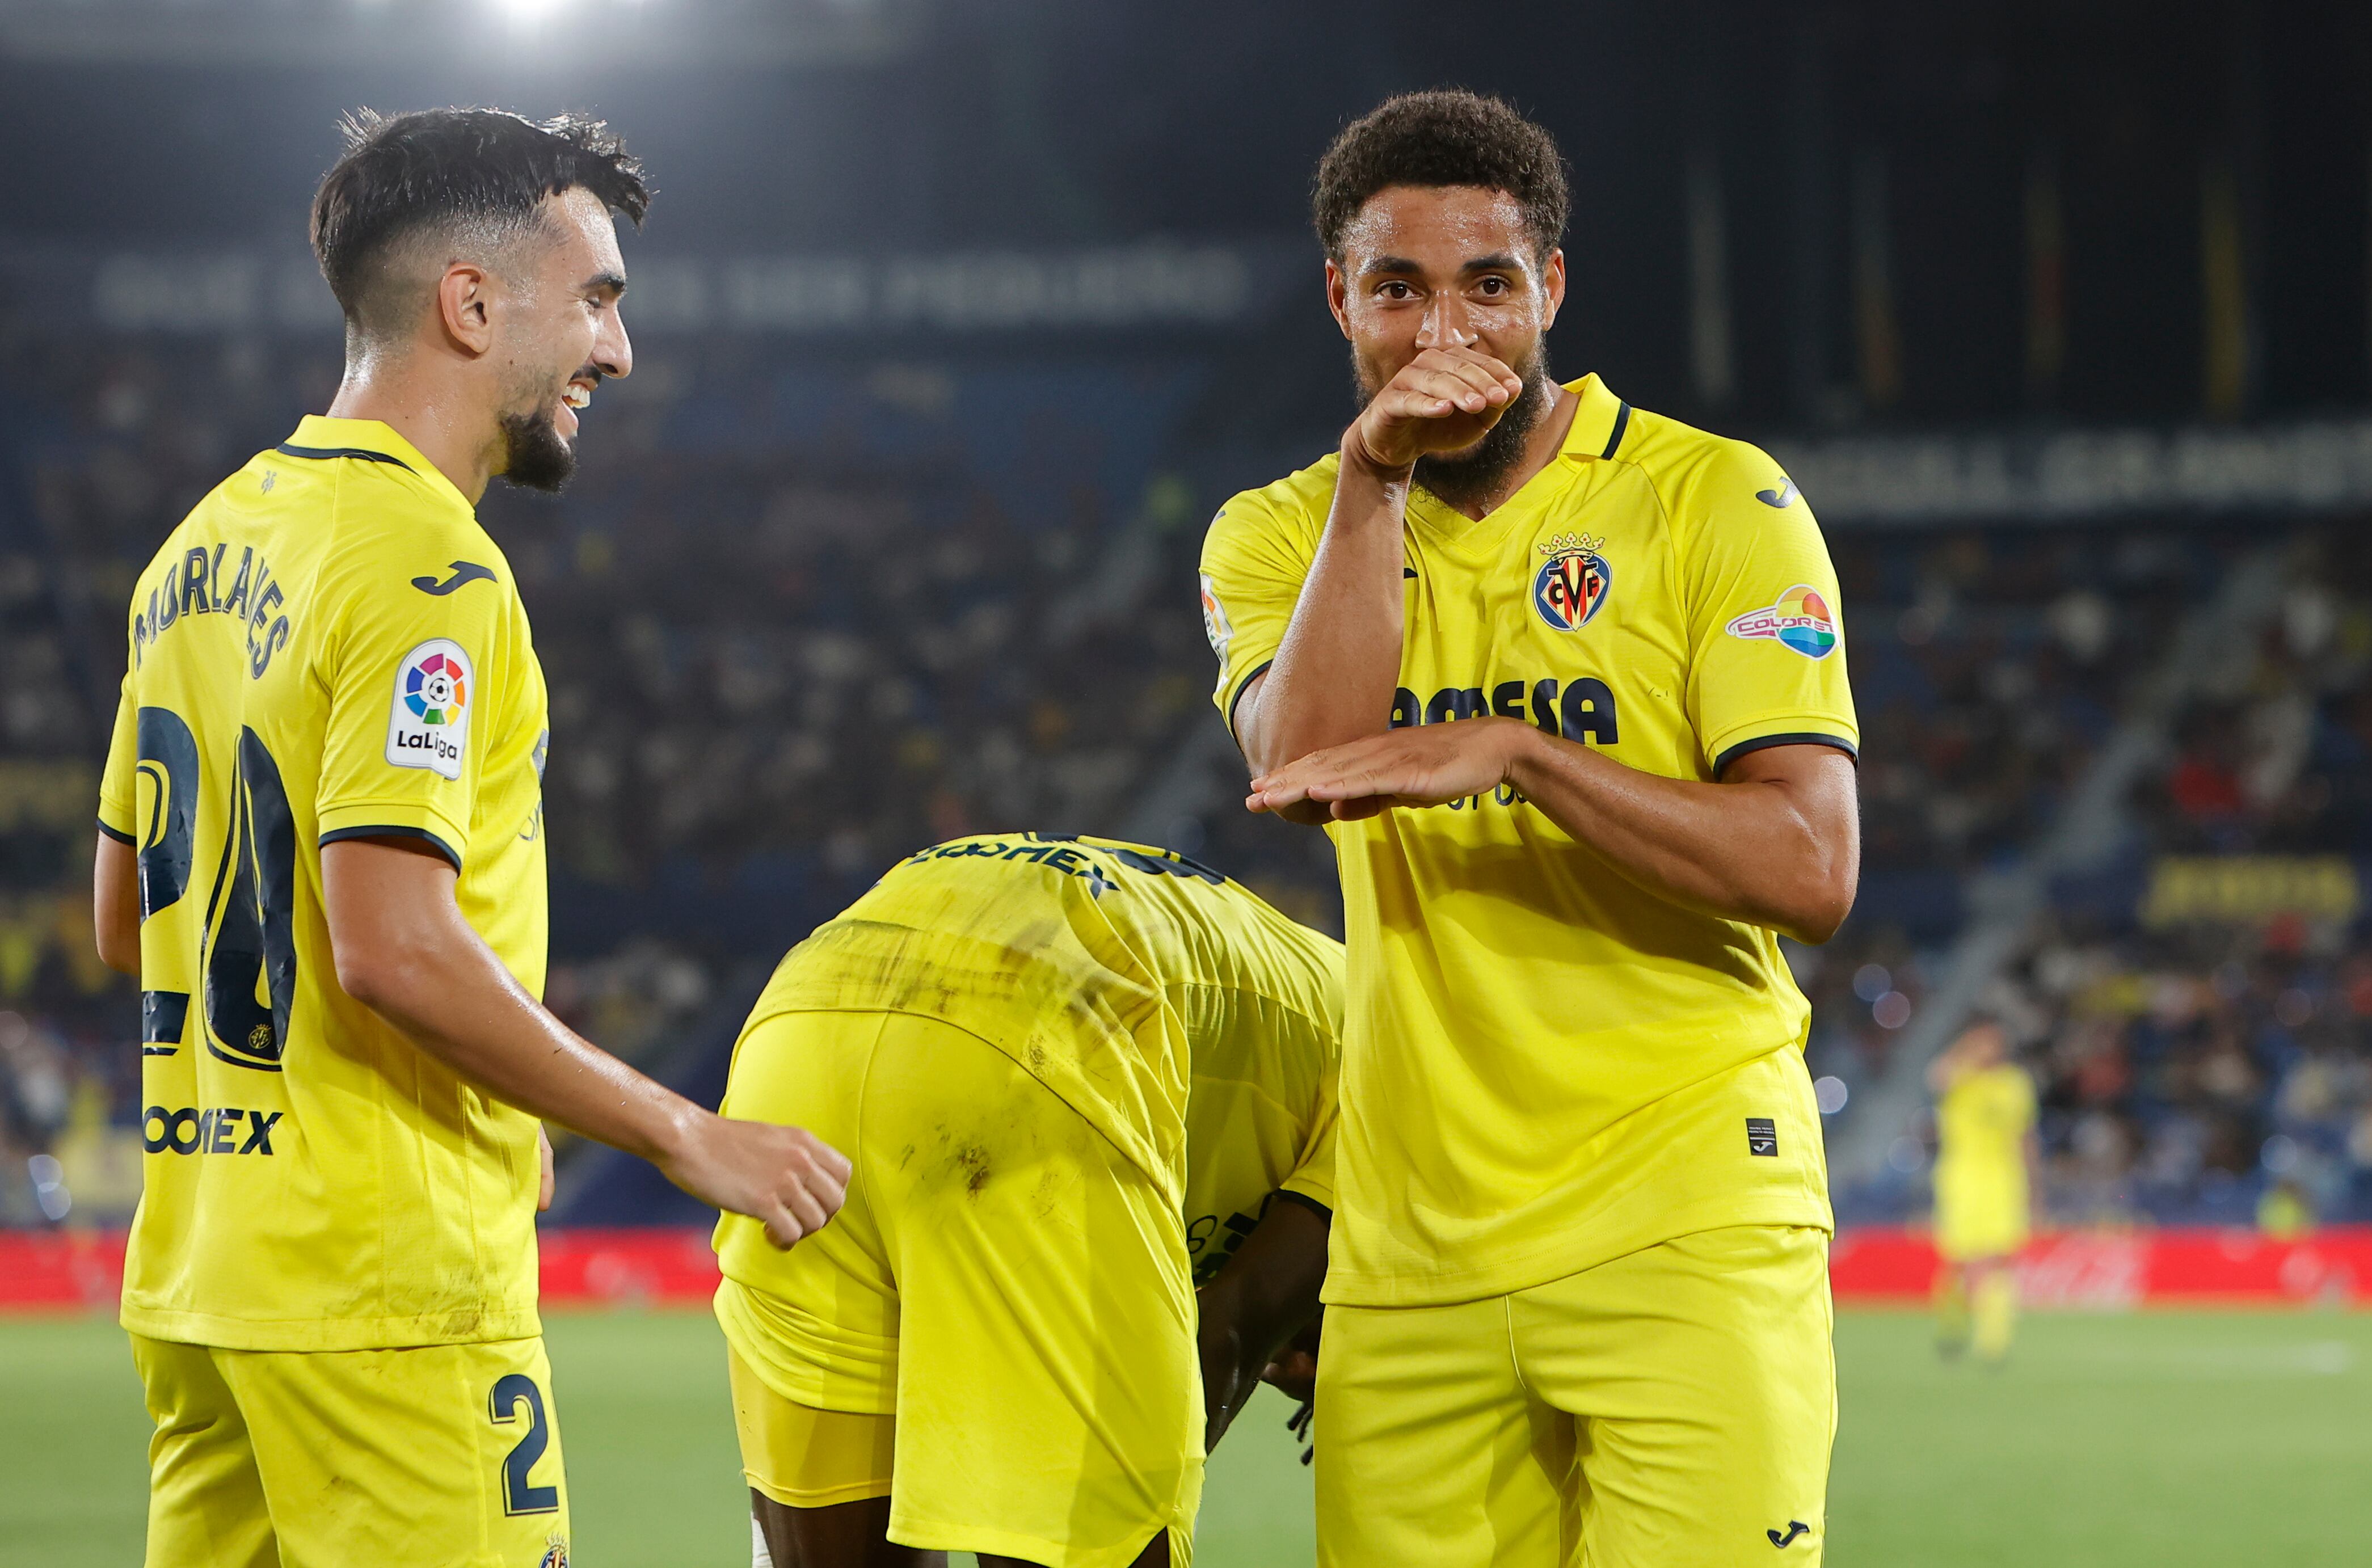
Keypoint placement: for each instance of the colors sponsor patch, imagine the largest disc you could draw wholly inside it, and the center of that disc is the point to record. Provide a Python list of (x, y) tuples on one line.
[(428, 724), (1801, 622), (1215, 619)]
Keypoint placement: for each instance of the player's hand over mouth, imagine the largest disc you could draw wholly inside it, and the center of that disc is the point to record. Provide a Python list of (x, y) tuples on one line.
[(1421, 765), (785, 1178), (1443, 399)]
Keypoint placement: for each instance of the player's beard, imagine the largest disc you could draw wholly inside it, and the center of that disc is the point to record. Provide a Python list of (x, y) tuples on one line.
[(1478, 473), (534, 454)]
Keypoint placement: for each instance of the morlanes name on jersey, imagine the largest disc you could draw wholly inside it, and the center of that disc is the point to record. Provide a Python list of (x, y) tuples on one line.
[(203, 582)]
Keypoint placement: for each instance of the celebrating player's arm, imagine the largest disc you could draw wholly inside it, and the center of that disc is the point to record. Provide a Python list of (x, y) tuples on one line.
[(1332, 680), (1774, 840), (404, 950), (1261, 1302)]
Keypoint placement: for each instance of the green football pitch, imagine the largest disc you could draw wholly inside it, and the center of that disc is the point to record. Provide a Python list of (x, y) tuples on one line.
[(2161, 1439)]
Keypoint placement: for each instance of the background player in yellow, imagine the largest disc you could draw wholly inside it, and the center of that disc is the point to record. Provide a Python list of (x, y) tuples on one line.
[(1985, 1158), (322, 851), (1565, 680), (1078, 1079)]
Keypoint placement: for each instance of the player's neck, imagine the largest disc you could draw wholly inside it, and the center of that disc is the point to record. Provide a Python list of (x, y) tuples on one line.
[(442, 422), (1541, 444)]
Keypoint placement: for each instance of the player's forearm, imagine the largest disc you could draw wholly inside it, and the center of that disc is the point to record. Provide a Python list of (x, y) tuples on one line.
[(1264, 1295), (1754, 850), (454, 999), (404, 949), (1340, 659)]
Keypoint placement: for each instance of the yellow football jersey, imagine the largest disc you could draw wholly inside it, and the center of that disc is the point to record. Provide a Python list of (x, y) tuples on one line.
[(1544, 1066), (329, 647), (1170, 1007), (1981, 1197)]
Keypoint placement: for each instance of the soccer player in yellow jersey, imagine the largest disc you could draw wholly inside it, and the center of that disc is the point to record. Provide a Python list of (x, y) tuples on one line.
[(1984, 1193), (1566, 681), (1078, 1079), (321, 852)]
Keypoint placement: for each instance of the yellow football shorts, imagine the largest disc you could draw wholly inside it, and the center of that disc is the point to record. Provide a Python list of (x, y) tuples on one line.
[(442, 1457), (1672, 1407), (998, 1331)]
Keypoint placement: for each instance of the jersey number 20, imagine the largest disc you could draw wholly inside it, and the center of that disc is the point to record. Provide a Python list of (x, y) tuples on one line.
[(249, 944)]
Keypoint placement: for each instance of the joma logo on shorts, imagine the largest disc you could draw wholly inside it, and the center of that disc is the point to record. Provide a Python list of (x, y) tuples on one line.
[(227, 1130)]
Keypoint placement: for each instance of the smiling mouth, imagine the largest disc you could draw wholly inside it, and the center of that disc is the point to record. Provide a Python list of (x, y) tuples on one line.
[(578, 395)]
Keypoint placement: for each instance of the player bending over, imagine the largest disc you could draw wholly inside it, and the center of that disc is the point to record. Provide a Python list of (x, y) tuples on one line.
[(321, 852), (1984, 1192), (1565, 680), (1078, 1078)]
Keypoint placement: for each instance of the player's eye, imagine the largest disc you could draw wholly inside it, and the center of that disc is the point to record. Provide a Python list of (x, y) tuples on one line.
[(1396, 289), (1494, 287)]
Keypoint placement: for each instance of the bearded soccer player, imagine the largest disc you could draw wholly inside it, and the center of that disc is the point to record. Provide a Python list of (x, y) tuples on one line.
[(1565, 680), (322, 851), (1079, 1079)]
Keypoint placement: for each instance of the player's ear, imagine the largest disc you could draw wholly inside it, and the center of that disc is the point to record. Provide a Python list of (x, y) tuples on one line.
[(1338, 294), (1553, 287), (462, 298)]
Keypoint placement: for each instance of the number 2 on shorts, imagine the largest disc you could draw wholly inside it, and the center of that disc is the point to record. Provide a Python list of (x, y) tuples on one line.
[(519, 1497)]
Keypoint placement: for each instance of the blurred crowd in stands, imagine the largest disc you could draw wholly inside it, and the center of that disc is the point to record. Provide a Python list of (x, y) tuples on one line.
[(800, 619)]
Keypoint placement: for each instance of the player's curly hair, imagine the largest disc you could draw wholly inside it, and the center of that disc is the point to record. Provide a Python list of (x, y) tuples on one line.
[(485, 171), (1450, 137)]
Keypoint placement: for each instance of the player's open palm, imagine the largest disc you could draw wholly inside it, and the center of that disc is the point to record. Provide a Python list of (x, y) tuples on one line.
[(785, 1178), (1443, 399), (1421, 765)]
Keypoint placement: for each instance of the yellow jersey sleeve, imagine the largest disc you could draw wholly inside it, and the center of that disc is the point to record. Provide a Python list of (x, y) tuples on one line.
[(119, 802), (1255, 560), (410, 678), (1760, 600), (1313, 1177)]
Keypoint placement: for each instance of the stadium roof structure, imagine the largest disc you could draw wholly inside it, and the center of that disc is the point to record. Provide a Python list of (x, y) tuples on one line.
[(572, 34)]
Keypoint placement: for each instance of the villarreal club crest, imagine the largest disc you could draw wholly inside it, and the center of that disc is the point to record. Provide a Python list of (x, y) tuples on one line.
[(1572, 583)]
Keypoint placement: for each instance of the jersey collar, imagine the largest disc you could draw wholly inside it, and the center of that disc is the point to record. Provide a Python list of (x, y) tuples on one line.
[(319, 436), (1600, 423)]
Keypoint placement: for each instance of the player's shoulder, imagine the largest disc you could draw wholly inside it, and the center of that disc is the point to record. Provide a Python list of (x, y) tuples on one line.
[(1714, 490), (435, 554), (1681, 459), (1297, 504)]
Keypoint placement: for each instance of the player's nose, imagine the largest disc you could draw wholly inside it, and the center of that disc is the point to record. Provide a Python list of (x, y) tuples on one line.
[(1447, 324), (613, 352)]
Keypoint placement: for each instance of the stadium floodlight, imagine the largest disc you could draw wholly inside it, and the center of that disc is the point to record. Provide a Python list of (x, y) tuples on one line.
[(526, 14)]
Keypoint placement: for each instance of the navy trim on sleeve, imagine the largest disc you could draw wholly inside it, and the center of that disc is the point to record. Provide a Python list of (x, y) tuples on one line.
[(1764, 742), (1239, 697), (118, 838), (1622, 423), (285, 450), (1306, 1201), (447, 851)]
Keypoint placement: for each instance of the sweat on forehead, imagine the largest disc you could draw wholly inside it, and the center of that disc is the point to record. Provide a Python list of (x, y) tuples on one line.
[(1407, 228)]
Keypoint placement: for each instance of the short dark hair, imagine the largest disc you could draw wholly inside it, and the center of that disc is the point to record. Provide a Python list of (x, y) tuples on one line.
[(404, 175), (1450, 137)]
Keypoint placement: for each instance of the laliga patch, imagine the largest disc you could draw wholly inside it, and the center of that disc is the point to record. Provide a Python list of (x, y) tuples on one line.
[(1799, 622), (428, 725), (1215, 619), (1571, 586)]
